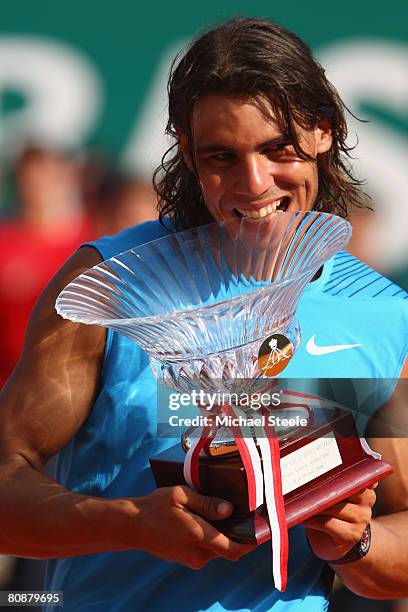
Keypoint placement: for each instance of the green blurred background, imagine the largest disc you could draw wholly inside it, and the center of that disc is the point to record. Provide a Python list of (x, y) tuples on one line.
[(93, 74)]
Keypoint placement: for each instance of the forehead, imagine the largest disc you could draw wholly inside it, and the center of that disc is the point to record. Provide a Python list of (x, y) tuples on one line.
[(218, 118)]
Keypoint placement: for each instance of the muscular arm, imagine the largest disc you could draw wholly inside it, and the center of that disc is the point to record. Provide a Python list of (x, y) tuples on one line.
[(42, 406), (383, 572)]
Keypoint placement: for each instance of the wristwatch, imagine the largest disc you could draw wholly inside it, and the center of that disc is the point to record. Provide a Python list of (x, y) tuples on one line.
[(358, 551)]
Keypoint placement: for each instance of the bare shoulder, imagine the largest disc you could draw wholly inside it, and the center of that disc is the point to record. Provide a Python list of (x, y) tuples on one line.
[(52, 388)]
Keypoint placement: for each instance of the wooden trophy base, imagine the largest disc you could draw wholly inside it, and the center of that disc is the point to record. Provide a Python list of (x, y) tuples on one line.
[(321, 464)]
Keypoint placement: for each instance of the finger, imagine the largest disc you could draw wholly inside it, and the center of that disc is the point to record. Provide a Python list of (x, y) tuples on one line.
[(199, 559), (228, 548), (212, 508), (219, 544), (366, 497), (349, 512), (340, 531)]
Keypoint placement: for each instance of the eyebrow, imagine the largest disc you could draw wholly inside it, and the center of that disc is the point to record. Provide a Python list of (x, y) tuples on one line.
[(213, 148)]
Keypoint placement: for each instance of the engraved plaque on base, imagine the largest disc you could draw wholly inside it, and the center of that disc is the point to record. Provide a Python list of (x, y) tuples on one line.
[(321, 464)]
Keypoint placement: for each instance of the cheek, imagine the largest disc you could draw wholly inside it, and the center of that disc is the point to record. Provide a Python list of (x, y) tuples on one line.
[(304, 174), (292, 173), (299, 171), (211, 183)]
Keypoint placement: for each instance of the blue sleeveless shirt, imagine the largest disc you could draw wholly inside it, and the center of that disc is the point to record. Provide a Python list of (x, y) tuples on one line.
[(109, 456)]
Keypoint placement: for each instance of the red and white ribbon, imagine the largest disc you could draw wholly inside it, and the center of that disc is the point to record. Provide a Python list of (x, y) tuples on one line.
[(270, 451), (249, 456), (260, 481), (264, 480), (191, 460)]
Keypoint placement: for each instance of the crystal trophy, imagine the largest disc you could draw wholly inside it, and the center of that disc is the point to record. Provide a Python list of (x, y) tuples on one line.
[(215, 309)]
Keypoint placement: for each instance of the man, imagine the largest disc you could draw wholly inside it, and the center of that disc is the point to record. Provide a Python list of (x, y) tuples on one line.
[(258, 128)]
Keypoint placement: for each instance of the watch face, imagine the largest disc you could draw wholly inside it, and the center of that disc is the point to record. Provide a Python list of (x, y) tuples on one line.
[(365, 541)]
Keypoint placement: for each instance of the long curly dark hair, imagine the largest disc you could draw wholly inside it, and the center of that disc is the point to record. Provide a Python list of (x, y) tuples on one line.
[(250, 58)]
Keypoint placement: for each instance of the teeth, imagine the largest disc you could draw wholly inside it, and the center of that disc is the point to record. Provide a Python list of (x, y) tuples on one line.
[(257, 214)]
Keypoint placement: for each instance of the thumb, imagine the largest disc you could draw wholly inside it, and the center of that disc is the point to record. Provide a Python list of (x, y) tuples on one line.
[(208, 507)]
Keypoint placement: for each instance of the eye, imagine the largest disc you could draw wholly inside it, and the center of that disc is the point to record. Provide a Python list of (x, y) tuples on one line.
[(222, 158), (281, 149)]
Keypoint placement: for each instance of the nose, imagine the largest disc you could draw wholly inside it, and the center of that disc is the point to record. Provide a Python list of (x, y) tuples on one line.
[(255, 177)]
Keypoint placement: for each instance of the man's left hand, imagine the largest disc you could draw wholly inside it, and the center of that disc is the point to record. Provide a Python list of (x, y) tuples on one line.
[(335, 531)]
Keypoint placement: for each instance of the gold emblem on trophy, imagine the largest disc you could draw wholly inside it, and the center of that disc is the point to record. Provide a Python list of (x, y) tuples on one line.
[(274, 355)]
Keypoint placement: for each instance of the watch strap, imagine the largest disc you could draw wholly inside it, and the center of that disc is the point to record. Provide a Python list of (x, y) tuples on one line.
[(358, 551)]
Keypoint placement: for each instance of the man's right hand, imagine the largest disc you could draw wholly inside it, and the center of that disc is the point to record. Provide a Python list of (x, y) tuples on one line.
[(173, 527), (44, 404)]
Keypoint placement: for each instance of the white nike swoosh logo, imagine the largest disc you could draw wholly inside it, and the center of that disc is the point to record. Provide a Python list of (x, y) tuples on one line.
[(313, 349)]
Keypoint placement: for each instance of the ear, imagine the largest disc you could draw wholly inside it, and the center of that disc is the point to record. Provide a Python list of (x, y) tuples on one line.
[(185, 151), (323, 137)]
